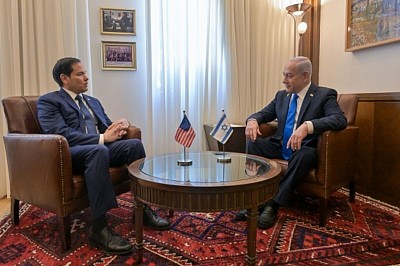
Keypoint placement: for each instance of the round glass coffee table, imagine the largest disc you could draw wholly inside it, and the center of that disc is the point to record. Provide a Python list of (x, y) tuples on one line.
[(213, 182)]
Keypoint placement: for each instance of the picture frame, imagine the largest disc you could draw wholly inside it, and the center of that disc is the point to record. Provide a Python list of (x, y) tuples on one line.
[(118, 21), (118, 55), (371, 23)]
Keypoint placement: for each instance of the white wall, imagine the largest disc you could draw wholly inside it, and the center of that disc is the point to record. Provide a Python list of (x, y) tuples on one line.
[(374, 69), (122, 93)]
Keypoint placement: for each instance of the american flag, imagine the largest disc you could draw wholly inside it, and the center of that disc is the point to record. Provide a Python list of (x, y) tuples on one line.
[(185, 133)]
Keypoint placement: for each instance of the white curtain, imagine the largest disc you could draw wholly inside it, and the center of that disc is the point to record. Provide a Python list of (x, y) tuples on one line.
[(187, 66), (260, 42), (33, 35), (205, 56)]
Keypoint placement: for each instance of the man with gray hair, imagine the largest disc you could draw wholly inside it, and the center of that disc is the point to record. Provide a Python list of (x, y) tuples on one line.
[(303, 111)]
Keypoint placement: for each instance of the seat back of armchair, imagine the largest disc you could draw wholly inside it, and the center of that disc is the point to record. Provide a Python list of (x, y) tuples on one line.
[(349, 103), (21, 114)]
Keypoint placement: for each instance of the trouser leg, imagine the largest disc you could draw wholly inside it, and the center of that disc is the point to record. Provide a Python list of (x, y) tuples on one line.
[(93, 161), (126, 151), (264, 147), (299, 165)]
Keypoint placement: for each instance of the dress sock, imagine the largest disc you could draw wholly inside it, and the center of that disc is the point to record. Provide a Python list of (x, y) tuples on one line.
[(275, 206), (99, 223)]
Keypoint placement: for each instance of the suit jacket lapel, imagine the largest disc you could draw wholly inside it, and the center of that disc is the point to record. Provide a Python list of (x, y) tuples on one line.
[(285, 109), (307, 100), (96, 109), (68, 99), (73, 104)]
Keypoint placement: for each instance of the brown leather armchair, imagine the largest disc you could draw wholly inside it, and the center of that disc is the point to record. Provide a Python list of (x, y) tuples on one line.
[(337, 153), (40, 167)]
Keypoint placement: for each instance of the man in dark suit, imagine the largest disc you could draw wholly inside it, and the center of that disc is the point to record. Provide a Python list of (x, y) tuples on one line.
[(314, 110), (95, 145)]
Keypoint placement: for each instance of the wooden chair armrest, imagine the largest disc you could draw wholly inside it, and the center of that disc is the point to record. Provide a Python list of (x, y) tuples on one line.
[(40, 168)]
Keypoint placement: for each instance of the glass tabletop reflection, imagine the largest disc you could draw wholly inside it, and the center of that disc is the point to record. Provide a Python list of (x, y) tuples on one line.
[(205, 167)]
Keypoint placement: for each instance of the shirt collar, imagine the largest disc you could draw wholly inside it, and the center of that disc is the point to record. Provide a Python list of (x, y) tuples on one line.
[(70, 93), (303, 91)]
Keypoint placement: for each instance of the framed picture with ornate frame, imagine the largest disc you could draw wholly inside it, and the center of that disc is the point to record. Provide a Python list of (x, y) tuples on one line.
[(371, 23), (118, 55), (118, 21)]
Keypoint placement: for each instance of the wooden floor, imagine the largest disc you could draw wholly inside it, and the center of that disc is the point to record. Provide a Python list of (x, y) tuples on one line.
[(4, 206)]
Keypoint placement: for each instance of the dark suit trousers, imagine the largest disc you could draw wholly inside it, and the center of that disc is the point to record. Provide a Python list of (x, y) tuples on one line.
[(94, 162), (299, 165)]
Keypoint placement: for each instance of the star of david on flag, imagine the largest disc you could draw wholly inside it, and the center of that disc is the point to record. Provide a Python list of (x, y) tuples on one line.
[(223, 130), (185, 133)]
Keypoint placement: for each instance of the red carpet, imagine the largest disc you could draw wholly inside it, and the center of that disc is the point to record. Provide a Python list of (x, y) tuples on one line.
[(364, 233)]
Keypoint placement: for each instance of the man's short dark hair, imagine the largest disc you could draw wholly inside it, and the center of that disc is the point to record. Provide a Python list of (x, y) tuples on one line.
[(64, 66)]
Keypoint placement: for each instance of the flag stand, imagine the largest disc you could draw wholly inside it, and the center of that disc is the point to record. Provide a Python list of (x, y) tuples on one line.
[(185, 161), (224, 159)]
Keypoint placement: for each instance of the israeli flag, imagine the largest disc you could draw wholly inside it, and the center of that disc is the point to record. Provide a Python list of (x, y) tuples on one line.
[(223, 130)]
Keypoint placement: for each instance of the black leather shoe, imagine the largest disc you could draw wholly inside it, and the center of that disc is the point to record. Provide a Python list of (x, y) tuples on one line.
[(152, 220), (267, 218), (110, 242), (241, 215)]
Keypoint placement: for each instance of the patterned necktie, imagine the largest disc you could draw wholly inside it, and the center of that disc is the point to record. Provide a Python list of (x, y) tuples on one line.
[(288, 131), (87, 116)]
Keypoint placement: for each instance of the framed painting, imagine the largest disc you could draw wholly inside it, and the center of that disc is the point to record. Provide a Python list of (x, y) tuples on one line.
[(118, 55), (118, 21), (371, 23)]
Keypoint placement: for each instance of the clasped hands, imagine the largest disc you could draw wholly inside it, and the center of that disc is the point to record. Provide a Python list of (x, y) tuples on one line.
[(294, 142), (116, 130)]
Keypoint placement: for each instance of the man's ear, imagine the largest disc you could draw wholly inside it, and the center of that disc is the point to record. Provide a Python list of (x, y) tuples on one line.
[(64, 78), (306, 75)]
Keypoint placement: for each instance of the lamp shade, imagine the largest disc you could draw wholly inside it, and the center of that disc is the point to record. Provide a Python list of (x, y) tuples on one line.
[(298, 9), (302, 28)]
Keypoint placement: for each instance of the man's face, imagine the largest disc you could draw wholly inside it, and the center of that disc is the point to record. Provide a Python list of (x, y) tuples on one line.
[(294, 81), (77, 82)]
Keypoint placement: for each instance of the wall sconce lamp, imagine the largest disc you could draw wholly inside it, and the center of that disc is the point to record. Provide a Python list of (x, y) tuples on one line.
[(297, 12)]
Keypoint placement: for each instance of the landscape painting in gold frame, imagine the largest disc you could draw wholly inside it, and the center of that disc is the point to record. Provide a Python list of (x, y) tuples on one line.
[(371, 23), (118, 21), (118, 55)]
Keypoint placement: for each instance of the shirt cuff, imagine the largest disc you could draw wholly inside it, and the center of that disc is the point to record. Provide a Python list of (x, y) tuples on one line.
[(101, 139), (310, 127), (251, 119)]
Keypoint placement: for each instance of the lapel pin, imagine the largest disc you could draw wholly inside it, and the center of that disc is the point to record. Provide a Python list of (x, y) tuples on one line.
[(312, 95)]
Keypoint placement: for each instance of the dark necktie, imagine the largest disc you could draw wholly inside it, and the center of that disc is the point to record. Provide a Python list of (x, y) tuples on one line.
[(87, 116), (286, 153)]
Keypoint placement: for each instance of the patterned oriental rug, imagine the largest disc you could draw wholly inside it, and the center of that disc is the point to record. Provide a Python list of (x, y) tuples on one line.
[(364, 233)]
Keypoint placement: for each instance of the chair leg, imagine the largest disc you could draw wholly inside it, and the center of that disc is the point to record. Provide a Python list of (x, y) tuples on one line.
[(15, 211), (65, 232), (323, 209), (352, 191)]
